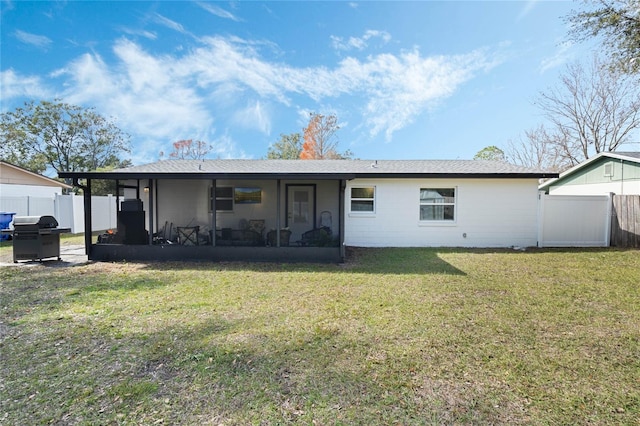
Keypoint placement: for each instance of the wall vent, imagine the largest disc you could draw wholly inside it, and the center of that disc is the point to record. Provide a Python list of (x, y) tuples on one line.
[(608, 170)]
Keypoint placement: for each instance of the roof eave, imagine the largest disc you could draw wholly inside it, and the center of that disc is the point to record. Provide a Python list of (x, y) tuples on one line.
[(299, 176)]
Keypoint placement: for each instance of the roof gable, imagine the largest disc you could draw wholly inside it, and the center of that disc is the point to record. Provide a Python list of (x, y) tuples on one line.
[(14, 175), (591, 163)]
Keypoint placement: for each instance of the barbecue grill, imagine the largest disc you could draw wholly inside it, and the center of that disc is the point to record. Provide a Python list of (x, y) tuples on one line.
[(36, 237)]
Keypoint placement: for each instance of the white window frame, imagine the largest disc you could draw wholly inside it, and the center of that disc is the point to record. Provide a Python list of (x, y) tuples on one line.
[(439, 221), (352, 199), (230, 198)]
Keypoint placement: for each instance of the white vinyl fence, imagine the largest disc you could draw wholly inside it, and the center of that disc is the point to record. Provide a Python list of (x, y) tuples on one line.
[(574, 220), (67, 209)]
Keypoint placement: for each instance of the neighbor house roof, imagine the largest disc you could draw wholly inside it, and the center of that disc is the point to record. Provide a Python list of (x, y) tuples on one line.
[(13, 175), (317, 169), (633, 157)]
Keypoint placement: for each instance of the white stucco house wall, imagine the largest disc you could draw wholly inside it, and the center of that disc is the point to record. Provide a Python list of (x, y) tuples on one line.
[(482, 212)]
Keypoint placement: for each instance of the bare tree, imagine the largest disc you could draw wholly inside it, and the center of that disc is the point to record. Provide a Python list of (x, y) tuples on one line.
[(320, 140), (593, 110), (188, 149), (538, 149)]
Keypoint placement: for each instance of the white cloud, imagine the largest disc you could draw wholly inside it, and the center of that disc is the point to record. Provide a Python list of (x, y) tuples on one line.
[(173, 25), (39, 41), (526, 9), (255, 116), (217, 11), (142, 91), (359, 43), (15, 85), (142, 33), (561, 56), (164, 98)]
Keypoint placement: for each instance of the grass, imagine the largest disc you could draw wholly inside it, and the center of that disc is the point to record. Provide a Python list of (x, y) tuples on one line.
[(395, 336)]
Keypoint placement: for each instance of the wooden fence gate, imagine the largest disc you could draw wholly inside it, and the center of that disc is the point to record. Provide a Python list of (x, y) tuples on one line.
[(625, 221)]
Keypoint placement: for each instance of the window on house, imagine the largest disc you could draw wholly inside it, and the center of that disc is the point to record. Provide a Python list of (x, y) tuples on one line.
[(437, 204), (363, 199), (223, 198)]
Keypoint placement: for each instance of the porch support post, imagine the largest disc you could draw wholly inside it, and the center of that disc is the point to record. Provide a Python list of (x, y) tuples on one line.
[(213, 212), (151, 221), (86, 192), (341, 189), (278, 224)]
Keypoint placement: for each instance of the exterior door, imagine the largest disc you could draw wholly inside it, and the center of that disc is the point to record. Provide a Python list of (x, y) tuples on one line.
[(300, 209)]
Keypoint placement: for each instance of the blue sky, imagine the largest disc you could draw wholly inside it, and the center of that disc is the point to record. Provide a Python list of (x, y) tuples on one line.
[(407, 80)]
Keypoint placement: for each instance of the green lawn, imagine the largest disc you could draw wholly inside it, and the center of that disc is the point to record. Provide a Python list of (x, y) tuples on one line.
[(395, 336)]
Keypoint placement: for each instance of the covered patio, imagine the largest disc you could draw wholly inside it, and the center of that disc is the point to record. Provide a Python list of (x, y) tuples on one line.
[(220, 210)]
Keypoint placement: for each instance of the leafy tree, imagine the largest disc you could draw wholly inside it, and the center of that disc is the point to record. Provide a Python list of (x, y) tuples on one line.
[(107, 186), (188, 149), (490, 153), (593, 109), (60, 136), (288, 147), (320, 141), (618, 23)]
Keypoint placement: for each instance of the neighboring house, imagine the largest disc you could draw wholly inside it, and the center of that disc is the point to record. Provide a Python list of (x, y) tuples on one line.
[(605, 173), (26, 193), (18, 182), (313, 209)]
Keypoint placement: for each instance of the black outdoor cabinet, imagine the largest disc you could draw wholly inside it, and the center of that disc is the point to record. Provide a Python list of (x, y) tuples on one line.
[(131, 223)]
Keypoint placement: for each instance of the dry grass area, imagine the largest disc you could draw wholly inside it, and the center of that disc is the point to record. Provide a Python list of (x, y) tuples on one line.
[(395, 336)]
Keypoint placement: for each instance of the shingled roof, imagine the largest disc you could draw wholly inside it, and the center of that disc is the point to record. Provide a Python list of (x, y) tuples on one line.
[(318, 169)]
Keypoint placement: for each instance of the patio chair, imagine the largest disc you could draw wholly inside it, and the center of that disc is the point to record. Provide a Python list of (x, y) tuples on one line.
[(315, 237), (188, 235)]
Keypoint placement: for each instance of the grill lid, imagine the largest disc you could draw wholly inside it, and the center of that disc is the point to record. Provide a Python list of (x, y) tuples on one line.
[(40, 221)]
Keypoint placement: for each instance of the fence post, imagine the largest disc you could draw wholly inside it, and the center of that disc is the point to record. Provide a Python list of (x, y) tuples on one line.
[(609, 219)]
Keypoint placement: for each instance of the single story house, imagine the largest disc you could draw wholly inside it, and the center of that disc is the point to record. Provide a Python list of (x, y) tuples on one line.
[(26, 193), (18, 182), (603, 174), (312, 209)]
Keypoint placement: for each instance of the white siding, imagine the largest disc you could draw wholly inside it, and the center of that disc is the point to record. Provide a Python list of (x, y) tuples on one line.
[(12, 190), (620, 188), (489, 213)]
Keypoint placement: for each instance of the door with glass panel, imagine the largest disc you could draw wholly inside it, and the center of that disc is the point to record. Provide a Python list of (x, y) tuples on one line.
[(300, 209)]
